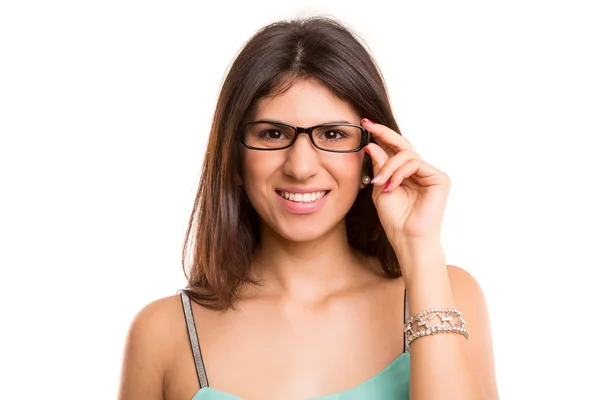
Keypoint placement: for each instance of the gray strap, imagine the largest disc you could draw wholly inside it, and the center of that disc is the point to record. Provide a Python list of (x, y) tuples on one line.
[(193, 335), (406, 348)]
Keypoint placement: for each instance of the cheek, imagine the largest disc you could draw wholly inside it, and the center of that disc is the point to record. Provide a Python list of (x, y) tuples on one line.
[(256, 170), (348, 170)]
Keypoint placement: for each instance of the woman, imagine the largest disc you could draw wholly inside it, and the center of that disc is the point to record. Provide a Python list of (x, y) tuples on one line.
[(317, 270)]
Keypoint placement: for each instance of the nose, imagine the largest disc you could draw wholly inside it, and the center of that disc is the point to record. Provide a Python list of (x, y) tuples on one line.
[(302, 159)]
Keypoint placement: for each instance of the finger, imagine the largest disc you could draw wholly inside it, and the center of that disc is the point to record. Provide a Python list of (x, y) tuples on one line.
[(378, 156), (423, 174), (392, 164), (387, 137)]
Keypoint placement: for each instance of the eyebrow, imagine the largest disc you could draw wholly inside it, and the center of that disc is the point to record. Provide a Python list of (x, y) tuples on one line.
[(341, 121)]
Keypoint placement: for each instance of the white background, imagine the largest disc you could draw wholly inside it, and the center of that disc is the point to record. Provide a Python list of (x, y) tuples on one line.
[(104, 113)]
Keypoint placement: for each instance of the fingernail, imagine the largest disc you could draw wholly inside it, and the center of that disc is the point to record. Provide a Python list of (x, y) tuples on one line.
[(387, 186), (376, 179), (368, 121), (367, 151)]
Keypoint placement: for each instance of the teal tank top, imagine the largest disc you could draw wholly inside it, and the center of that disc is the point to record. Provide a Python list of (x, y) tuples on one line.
[(391, 383)]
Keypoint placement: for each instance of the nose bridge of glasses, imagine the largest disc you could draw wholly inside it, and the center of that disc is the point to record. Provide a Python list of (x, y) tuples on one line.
[(300, 130), (308, 131)]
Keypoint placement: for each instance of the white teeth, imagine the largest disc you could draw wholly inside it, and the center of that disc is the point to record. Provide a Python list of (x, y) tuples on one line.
[(303, 197)]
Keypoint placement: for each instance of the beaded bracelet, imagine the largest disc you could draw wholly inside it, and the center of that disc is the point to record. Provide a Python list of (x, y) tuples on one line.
[(417, 326)]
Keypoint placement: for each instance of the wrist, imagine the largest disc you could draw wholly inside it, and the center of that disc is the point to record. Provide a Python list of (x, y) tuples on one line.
[(420, 259), (416, 249), (426, 279)]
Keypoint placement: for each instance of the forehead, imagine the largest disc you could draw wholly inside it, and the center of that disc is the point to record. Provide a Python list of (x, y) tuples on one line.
[(305, 103)]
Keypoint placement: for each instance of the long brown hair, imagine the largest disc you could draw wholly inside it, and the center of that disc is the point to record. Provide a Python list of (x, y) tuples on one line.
[(223, 233)]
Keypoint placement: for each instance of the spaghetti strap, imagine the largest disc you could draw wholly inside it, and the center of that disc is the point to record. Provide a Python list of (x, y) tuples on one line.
[(406, 348), (193, 336)]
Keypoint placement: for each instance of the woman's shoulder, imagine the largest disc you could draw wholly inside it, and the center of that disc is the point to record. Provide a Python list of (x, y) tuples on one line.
[(155, 314), (155, 326), (155, 334), (157, 350), (161, 323), (464, 284)]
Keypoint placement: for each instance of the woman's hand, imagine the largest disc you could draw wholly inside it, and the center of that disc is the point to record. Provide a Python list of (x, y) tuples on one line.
[(409, 194)]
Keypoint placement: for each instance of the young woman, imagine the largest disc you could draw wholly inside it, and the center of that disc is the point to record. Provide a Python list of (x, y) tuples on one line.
[(316, 268)]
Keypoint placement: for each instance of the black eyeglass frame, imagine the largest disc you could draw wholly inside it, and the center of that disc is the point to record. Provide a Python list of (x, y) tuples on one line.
[(364, 139)]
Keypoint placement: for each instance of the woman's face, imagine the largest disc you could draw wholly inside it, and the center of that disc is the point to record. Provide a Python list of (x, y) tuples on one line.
[(302, 192)]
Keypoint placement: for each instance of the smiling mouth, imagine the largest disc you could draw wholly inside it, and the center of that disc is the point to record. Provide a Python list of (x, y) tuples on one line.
[(303, 197)]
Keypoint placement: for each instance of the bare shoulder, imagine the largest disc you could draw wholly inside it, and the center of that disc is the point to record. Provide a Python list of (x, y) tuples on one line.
[(466, 291), (157, 321), (470, 300), (463, 283), (153, 336)]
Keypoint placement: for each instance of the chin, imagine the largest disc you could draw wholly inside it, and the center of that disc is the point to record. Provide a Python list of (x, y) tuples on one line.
[(304, 231), (303, 236)]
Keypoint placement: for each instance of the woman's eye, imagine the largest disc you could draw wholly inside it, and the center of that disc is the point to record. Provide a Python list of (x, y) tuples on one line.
[(272, 134), (332, 135)]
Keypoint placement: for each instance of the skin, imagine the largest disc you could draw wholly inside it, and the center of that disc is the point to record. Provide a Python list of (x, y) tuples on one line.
[(324, 321)]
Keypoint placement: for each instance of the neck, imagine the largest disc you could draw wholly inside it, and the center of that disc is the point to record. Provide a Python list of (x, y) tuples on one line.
[(307, 270)]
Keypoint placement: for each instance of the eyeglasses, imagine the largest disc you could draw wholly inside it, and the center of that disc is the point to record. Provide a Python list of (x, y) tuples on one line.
[(336, 137)]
